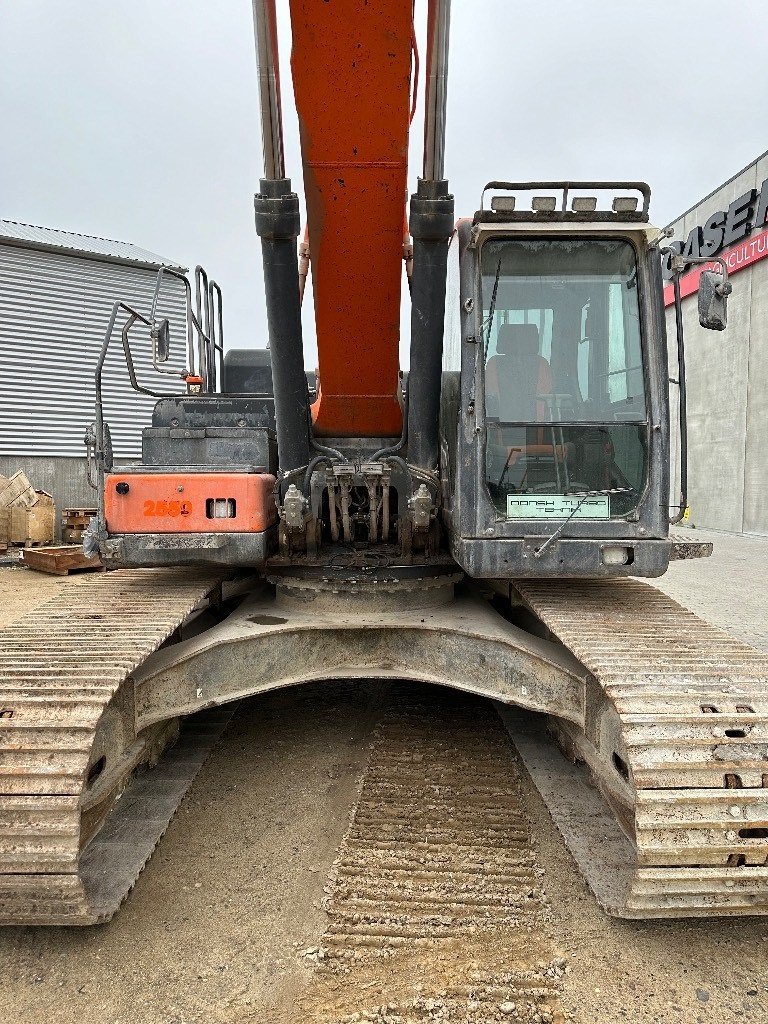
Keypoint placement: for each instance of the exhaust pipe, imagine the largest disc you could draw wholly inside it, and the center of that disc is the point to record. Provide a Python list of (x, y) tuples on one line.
[(278, 226), (431, 225)]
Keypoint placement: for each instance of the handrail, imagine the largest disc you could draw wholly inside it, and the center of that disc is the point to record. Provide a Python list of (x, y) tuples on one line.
[(216, 331), (211, 341), (99, 447)]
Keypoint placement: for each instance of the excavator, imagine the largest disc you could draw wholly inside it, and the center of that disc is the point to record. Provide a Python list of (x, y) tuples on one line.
[(483, 521)]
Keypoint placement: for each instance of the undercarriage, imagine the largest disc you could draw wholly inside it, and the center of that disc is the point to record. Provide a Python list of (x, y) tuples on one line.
[(666, 713)]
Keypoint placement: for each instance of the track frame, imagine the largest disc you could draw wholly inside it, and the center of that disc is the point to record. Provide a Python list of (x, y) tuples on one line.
[(668, 714)]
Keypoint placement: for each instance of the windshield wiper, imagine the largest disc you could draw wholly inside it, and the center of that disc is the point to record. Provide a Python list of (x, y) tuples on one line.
[(489, 322), (583, 495)]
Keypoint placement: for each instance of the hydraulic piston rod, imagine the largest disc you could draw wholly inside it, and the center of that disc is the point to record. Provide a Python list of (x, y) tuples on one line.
[(436, 98), (265, 29), (277, 223)]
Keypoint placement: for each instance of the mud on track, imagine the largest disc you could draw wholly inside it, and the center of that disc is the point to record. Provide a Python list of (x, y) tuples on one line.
[(435, 906)]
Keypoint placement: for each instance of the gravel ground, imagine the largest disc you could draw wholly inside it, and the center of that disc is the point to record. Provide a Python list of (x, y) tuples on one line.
[(21, 590), (216, 926)]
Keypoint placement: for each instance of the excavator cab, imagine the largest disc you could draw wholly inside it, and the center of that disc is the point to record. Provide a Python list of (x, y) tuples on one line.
[(557, 462)]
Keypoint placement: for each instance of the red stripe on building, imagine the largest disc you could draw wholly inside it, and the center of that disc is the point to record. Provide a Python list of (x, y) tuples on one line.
[(739, 256)]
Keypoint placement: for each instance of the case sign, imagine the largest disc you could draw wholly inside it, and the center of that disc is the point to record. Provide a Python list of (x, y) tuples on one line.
[(558, 506), (738, 235)]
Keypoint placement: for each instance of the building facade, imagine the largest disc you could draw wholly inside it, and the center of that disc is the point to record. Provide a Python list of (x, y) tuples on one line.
[(57, 290), (727, 372)]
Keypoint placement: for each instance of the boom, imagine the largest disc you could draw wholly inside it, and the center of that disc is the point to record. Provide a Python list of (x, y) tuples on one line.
[(355, 94), (351, 67)]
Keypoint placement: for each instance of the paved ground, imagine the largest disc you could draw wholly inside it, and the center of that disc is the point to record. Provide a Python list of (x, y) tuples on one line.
[(697, 972), (217, 924), (730, 588)]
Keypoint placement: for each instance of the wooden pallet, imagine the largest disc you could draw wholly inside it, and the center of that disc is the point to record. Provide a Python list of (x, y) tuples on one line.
[(73, 535), (74, 523), (77, 516), (59, 561)]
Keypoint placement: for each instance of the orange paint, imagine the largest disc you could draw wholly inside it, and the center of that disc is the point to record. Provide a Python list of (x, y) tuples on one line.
[(351, 65), (179, 503)]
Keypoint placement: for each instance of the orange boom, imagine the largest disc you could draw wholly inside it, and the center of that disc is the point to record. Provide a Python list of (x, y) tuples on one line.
[(351, 66)]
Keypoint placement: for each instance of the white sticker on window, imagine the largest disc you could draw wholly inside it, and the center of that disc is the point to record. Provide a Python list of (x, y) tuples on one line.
[(557, 506)]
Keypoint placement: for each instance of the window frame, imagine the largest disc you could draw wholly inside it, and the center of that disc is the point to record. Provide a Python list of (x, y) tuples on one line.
[(544, 526), (564, 236)]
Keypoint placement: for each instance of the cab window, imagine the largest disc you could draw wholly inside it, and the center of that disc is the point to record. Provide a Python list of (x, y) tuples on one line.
[(564, 384)]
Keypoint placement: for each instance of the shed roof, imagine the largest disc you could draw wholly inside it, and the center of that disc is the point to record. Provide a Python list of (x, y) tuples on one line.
[(90, 246)]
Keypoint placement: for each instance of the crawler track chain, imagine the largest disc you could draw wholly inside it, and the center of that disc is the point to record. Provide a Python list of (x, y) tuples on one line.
[(68, 748)]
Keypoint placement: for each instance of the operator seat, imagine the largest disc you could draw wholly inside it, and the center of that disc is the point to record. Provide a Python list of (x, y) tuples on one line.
[(516, 375), (518, 382)]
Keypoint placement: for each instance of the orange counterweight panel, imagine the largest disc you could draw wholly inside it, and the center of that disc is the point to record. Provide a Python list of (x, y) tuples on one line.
[(189, 503), (351, 65)]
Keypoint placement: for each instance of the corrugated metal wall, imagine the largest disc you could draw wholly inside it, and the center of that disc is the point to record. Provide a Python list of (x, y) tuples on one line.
[(54, 309)]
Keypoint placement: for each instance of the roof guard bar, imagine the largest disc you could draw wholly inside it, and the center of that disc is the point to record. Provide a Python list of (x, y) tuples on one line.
[(565, 187), (203, 310), (216, 333)]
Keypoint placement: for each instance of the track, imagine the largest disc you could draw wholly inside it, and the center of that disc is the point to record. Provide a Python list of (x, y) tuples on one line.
[(436, 910), (677, 739), (68, 747), (676, 736)]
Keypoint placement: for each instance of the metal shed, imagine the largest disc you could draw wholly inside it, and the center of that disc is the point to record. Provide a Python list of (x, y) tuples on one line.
[(57, 289)]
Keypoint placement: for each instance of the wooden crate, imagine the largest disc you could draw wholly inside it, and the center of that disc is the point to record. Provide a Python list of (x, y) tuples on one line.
[(33, 526), (59, 561), (17, 490)]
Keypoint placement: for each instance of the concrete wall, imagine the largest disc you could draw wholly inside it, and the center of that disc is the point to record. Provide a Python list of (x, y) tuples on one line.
[(727, 377)]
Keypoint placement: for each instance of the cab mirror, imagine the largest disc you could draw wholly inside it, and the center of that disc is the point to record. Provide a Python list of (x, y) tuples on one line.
[(713, 301), (161, 339)]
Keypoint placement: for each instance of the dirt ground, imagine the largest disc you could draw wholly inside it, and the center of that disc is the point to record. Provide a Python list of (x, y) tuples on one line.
[(218, 925)]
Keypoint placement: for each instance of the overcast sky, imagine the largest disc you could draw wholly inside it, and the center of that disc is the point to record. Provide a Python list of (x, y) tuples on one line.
[(138, 119)]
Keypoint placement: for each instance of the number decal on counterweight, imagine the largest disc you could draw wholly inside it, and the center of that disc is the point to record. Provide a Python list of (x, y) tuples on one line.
[(167, 508)]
